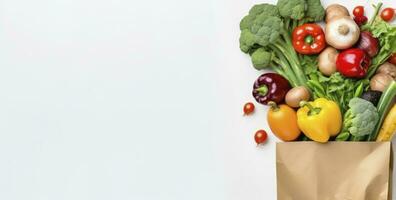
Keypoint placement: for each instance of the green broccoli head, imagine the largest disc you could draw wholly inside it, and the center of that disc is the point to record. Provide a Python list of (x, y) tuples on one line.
[(261, 59), (258, 28), (267, 30), (293, 9), (263, 31), (315, 11), (361, 118), (260, 10)]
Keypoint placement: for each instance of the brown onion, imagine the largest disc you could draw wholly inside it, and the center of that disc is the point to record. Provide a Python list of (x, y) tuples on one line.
[(368, 43)]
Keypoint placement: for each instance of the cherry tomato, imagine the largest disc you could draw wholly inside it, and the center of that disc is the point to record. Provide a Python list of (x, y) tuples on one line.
[(360, 20), (248, 108), (260, 136), (358, 11), (387, 14), (392, 59)]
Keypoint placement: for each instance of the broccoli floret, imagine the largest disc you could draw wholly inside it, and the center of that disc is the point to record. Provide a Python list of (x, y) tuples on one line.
[(361, 118), (261, 59), (267, 30), (255, 27), (258, 11), (246, 40), (315, 11), (293, 9)]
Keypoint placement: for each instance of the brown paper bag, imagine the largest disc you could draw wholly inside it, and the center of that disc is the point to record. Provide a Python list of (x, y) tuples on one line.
[(334, 171)]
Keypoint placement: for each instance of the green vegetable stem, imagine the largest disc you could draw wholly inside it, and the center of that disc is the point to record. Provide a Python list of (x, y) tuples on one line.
[(383, 106)]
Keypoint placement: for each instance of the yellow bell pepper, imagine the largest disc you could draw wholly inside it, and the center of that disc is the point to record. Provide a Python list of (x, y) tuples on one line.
[(320, 119)]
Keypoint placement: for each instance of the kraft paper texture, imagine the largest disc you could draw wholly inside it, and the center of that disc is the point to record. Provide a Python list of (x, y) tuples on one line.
[(334, 171)]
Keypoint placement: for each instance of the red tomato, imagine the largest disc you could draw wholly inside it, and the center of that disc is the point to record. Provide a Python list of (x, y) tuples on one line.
[(248, 108), (392, 59), (360, 20), (260, 136), (387, 14), (358, 11)]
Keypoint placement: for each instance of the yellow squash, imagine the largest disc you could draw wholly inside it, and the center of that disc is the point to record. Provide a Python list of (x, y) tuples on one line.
[(388, 128), (320, 119)]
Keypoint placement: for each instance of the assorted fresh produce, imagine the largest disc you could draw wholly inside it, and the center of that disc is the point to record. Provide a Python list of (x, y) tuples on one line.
[(336, 83)]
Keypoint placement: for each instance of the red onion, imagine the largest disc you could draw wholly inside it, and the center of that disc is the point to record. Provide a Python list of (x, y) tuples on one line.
[(368, 43)]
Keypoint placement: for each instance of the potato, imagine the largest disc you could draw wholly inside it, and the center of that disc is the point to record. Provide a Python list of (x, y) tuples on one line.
[(380, 82), (296, 95), (387, 68)]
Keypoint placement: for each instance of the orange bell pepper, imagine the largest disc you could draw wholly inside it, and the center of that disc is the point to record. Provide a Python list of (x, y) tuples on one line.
[(282, 121)]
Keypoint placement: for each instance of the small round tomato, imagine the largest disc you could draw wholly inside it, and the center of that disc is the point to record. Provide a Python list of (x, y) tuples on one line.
[(387, 14), (392, 59), (358, 11), (260, 136), (248, 108), (360, 20)]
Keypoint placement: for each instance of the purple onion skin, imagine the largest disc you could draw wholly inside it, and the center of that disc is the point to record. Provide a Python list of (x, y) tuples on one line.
[(368, 43), (277, 88)]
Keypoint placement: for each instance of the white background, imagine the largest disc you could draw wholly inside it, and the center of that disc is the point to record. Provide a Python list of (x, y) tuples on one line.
[(121, 99)]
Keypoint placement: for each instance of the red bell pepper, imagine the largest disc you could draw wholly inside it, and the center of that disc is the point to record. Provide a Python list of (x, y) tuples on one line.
[(308, 39), (353, 63)]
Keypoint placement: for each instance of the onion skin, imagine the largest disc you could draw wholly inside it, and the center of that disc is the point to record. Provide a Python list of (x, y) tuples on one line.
[(327, 61), (335, 11), (342, 33), (368, 43)]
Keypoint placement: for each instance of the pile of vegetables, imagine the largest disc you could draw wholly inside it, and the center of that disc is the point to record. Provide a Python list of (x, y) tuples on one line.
[(336, 83)]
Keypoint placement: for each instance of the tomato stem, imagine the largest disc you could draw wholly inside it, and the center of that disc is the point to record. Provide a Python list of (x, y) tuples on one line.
[(309, 39)]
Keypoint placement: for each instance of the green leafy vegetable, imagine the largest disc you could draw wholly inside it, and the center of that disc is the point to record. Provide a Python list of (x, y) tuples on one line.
[(335, 87), (386, 34)]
